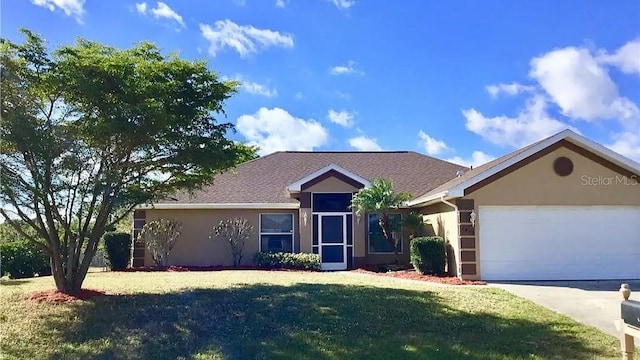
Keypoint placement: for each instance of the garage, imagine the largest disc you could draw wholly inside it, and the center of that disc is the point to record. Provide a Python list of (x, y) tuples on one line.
[(559, 242)]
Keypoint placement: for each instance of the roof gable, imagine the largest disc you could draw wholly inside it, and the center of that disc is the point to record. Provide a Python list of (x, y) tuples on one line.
[(331, 169), (457, 186)]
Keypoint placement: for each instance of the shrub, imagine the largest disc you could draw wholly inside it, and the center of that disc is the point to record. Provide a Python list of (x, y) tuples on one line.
[(118, 248), (160, 236), (303, 261), (234, 233), (428, 255), (24, 259)]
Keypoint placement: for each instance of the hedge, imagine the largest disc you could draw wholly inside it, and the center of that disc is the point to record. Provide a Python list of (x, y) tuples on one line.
[(303, 261), (24, 259), (428, 255), (118, 249)]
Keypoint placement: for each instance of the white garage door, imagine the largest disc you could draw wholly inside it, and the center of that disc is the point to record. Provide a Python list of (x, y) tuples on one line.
[(559, 243)]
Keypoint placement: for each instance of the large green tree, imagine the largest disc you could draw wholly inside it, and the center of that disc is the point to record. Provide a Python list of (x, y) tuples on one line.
[(381, 199), (91, 131)]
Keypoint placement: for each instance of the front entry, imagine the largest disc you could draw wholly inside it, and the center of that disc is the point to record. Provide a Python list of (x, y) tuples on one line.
[(333, 230), (335, 236)]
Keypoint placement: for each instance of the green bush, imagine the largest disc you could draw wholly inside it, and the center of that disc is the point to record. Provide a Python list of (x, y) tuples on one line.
[(428, 255), (285, 260), (118, 246), (23, 259)]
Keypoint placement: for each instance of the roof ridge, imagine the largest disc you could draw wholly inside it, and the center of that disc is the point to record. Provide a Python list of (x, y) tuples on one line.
[(345, 151)]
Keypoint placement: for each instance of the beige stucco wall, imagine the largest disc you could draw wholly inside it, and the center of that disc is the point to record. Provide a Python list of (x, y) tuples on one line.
[(442, 220), (331, 185), (196, 249), (537, 184)]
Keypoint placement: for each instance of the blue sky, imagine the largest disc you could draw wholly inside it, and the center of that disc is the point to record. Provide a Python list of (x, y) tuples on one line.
[(464, 81)]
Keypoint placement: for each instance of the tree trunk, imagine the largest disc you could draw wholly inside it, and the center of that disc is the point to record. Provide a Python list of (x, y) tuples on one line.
[(383, 221), (68, 283)]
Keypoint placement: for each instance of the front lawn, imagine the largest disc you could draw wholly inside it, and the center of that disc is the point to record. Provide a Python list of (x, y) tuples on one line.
[(286, 315)]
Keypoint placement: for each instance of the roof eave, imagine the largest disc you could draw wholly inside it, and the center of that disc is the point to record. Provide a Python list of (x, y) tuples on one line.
[(213, 206), (297, 186), (435, 198)]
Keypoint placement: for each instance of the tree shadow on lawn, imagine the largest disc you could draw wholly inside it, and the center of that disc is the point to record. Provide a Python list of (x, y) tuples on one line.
[(304, 321)]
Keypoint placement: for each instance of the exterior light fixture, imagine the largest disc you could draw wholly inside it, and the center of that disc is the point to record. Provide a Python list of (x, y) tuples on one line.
[(472, 218)]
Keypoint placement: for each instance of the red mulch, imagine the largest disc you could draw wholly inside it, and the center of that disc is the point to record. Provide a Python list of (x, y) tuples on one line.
[(56, 296), (414, 275), (206, 268)]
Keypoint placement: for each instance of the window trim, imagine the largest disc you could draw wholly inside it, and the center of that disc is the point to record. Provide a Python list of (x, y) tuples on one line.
[(292, 233), (369, 237)]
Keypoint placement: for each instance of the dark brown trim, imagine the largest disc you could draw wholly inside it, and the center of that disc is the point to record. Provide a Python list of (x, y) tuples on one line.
[(466, 230), (465, 204), (562, 143), (465, 216), (139, 214), (469, 269), (600, 160), (468, 243), (468, 255), (332, 173), (305, 200)]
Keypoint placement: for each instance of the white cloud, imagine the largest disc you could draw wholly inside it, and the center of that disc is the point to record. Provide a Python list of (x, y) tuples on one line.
[(245, 39), (530, 125), (161, 11), (141, 8), (509, 89), (627, 144), (298, 95), (348, 68), (580, 86), (277, 130), (253, 87), (281, 3), (627, 58), (72, 8), (363, 143), (477, 158), (258, 89), (432, 146), (342, 118), (343, 4)]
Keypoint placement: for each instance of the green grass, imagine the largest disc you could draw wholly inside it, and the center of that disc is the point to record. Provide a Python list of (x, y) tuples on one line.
[(286, 315)]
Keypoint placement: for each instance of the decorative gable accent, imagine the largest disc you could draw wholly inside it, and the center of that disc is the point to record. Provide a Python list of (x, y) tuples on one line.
[(331, 170)]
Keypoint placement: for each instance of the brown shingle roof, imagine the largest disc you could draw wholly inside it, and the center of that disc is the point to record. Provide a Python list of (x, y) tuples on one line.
[(477, 170), (264, 180)]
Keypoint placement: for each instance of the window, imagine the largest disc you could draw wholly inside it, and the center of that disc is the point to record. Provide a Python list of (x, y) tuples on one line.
[(276, 232), (377, 241), (332, 202)]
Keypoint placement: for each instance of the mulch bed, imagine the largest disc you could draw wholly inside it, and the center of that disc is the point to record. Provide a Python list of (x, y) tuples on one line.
[(55, 296), (414, 275), (206, 268)]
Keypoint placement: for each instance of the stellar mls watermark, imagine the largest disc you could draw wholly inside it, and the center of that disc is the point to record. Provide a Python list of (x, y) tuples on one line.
[(601, 180)]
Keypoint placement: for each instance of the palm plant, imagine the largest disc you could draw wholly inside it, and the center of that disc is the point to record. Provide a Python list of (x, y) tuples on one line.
[(413, 222), (380, 199)]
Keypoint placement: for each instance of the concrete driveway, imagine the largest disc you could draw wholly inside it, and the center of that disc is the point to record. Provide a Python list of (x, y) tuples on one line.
[(595, 303)]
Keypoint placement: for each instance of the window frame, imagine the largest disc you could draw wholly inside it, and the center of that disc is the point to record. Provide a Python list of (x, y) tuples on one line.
[(401, 232), (292, 233)]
